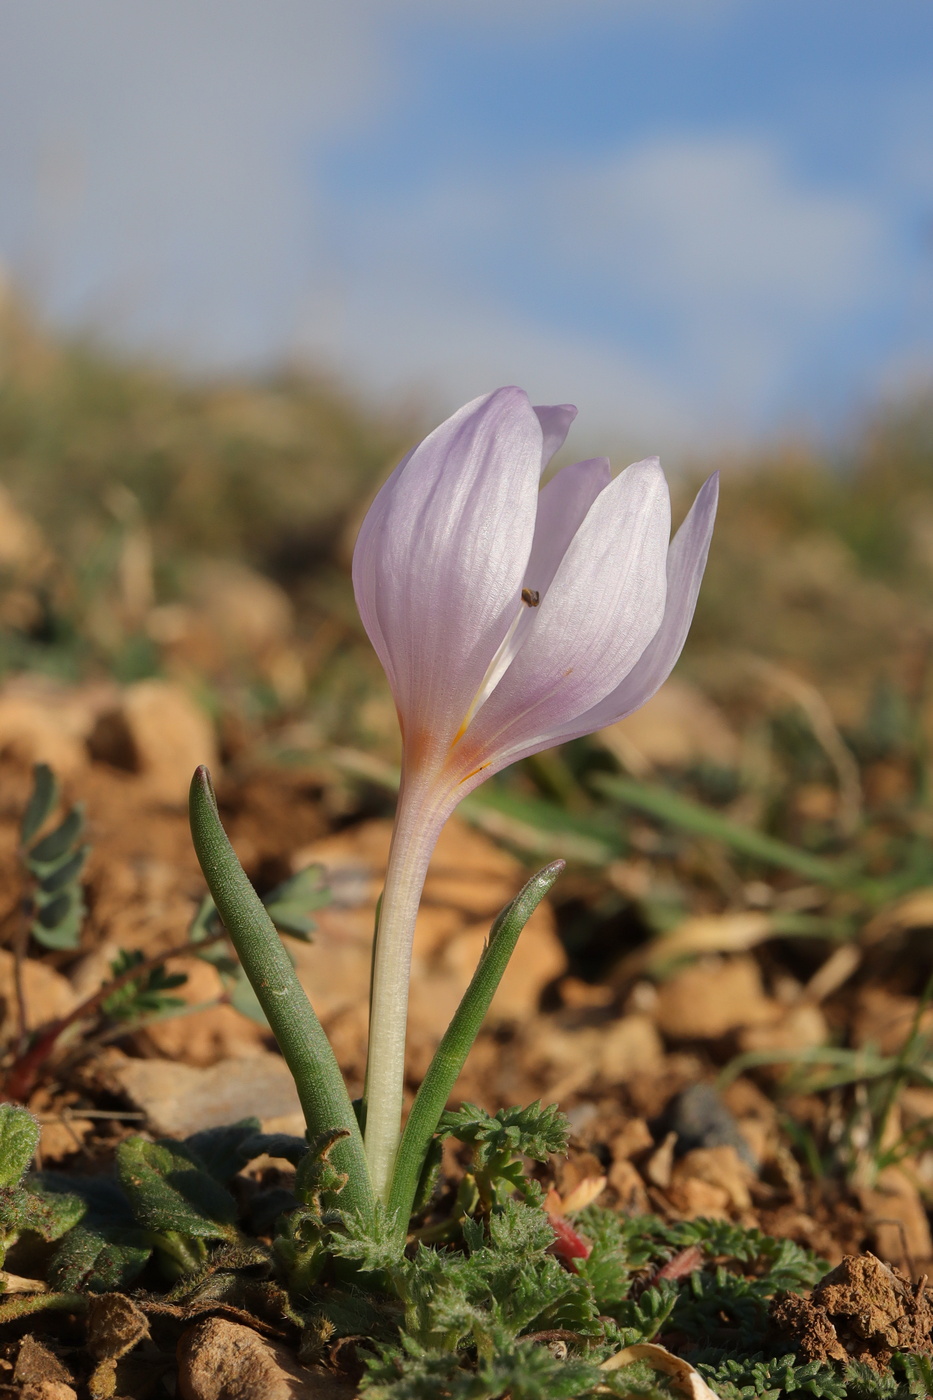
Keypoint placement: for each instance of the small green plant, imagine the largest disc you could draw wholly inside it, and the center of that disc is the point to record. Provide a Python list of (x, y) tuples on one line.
[(139, 990), (54, 902)]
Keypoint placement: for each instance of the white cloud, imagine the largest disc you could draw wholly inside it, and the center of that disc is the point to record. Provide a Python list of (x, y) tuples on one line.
[(675, 286), (159, 176), (155, 160)]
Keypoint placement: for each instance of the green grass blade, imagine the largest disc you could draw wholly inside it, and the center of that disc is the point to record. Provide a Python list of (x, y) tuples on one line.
[(451, 1054), (300, 1036), (702, 821)]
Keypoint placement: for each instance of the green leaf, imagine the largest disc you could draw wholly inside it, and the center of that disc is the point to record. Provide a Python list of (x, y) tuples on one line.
[(513, 1132), (58, 924), (52, 847), (145, 995), (51, 1214), (106, 1250), (225, 1151), (42, 799), (300, 1035), (99, 1257), (290, 903), (169, 1190), (699, 820), (67, 871), (19, 1138), (451, 1054)]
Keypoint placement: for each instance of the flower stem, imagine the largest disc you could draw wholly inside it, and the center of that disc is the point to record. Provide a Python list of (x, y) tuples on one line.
[(417, 827)]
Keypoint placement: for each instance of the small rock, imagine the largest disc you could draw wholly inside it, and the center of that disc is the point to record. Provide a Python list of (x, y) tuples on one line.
[(713, 997), (160, 733), (897, 1217), (634, 1138), (612, 1052), (48, 995), (221, 1360), (47, 1390), (720, 1167), (37, 1365), (693, 1198), (63, 1138), (181, 1099), (626, 1181), (700, 1119), (861, 1310), (795, 1028)]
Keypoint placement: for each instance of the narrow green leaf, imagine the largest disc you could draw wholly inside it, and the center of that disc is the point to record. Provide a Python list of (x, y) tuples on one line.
[(300, 1036), (25, 1304), (52, 847), (169, 1190), (19, 1138), (702, 821), (42, 799), (451, 1054)]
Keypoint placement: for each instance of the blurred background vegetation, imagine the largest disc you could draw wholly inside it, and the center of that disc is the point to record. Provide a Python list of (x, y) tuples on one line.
[(202, 531)]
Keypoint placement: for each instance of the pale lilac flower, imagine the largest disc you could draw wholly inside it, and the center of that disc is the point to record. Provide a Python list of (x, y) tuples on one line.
[(508, 619)]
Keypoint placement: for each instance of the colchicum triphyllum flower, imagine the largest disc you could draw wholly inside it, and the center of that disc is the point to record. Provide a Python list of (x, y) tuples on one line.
[(508, 619)]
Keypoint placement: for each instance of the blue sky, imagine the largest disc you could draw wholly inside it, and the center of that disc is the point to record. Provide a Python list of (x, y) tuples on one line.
[(707, 222)]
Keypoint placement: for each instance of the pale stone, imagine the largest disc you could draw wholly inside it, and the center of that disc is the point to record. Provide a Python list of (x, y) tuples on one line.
[(897, 1217), (711, 998), (221, 1360), (181, 1099), (721, 1167), (170, 736), (797, 1027), (48, 995)]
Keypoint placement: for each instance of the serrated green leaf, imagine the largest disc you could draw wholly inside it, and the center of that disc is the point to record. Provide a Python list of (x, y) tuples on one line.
[(169, 1190), (52, 847), (42, 799), (19, 1138), (512, 1132)]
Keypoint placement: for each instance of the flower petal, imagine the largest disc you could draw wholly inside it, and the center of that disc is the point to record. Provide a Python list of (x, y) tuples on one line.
[(686, 561), (562, 508), (440, 559), (604, 605), (555, 420)]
